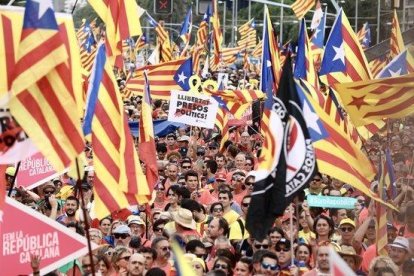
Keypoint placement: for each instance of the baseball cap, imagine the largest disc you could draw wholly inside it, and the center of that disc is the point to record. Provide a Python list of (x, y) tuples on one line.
[(347, 221), (122, 229)]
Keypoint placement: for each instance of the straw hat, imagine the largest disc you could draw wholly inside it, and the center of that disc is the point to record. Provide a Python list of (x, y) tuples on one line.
[(347, 250), (184, 217)]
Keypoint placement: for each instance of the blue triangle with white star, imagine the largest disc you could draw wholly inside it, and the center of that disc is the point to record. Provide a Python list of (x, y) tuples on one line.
[(183, 74), (397, 67), (39, 14), (334, 56), (313, 122)]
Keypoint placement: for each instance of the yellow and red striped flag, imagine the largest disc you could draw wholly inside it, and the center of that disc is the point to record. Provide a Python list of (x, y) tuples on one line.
[(336, 154), (377, 65), (146, 146), (217, 35), (203, 28), (396, 40), (119, 180), (161, 77), (44, 100), (257, 51), (369, 101), (122, 21), (222, 121), (301, 7)]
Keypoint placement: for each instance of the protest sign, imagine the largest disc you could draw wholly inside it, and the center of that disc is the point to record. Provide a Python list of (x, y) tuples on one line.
[(25, 231), (331, 202), (34, 171), (192, 109)]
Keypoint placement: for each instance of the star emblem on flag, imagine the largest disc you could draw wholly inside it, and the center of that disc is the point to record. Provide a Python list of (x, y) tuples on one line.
[(41, 15), (358, 102), (339, 53), (182, 75)]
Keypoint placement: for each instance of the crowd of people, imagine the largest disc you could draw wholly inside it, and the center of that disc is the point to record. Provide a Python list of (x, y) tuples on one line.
[(201, 200)]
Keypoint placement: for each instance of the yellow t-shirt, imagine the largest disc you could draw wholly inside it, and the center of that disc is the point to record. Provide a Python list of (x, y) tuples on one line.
[(236, 231), (231, 216), (306, 236)]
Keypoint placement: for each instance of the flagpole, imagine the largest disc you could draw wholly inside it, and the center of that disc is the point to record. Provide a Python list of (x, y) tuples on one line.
[(85, 217), (292, 253), (74, 6), (14, 179)]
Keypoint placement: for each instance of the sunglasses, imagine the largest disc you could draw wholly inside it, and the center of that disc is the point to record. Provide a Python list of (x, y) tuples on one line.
[(121, 236), (245, 204), (220, 266), (49, 192), (218, 210), (317, 179), (212, 148), (283, 249), (269, 266), (165, 248), (186, 167), (258, 246), (158, 229), (249, 183), (347, 229), (126, 258)]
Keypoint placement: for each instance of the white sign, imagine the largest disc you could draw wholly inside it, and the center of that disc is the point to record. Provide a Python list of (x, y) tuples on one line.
[(192, 109)]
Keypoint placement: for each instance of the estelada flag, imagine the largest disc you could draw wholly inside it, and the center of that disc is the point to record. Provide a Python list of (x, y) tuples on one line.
[(55, 243)]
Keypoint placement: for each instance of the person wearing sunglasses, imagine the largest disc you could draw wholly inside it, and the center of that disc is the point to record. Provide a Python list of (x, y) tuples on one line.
[(257, 245), (316, 185), (238, 231), (120, 259), (347, 231), (223, 263), (162, 246), (269, 265), (122, 235), (284, 256)]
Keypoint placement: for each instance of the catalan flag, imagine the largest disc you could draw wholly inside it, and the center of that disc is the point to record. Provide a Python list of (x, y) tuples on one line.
[(222, 121), (343, 60), (247, 34), (396, 41), (163, 78), (336, 154), (43, 98), (185, 32), (364, 36), (217, 36), (146, 145), (377, 65), (257, 51), (121, 20), (203, 28), (402, 64), (318, 41), (301, 7), (229, 55), (304, 66), (381, 210), (181, 264), (119, 181), (373, 100), (140, 43)]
